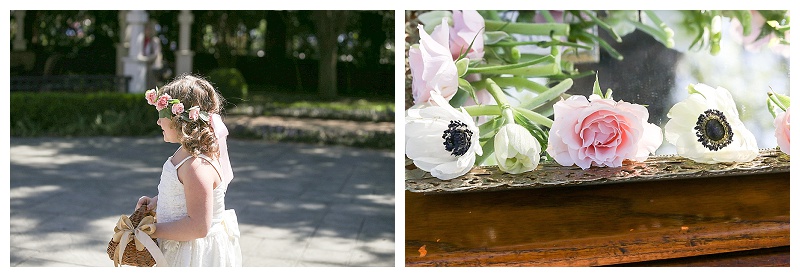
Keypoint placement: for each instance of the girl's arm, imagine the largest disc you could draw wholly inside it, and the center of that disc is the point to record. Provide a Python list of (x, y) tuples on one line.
[(198, 178)]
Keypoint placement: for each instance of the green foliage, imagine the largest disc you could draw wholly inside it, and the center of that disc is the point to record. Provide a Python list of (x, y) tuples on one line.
[(231, 85), (68, 114), (311, 106)]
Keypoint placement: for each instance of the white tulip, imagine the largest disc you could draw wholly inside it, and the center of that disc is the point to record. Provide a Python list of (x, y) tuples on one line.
[(515, 149)]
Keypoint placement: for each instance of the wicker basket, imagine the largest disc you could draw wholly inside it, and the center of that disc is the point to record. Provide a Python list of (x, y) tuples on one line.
[(132, 256)]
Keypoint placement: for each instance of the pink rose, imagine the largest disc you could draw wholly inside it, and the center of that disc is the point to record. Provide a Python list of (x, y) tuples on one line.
[(782, 130), (163, 101), (194, 113), (601, 132), (177, 108), (432, 66), (467, 26), (150, 95)]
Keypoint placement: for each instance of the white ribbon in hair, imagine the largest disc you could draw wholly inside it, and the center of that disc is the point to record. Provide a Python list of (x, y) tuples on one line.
[(221, 132)]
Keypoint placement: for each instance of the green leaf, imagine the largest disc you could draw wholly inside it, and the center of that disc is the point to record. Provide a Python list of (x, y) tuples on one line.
[(432, 19), (533, 128), (490, 38), (488, 151), (596, 88), (165, 113), (489, 129), (462, 66), (771, 108), (467, 87)]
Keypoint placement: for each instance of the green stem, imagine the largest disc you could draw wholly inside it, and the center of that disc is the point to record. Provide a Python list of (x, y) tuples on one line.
[(520, 82), (603, 44), (501, 69), (535, 71), (603, 25), (548, 95), (496, 92), (535, 117), (479, 110), (542, 44), (547, 16), (538, 29)]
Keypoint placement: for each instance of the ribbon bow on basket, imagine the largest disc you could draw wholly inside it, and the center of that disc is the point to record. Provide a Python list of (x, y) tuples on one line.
[(133, 234)]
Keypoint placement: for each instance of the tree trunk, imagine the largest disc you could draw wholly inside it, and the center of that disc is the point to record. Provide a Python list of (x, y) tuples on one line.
[(328, 24)]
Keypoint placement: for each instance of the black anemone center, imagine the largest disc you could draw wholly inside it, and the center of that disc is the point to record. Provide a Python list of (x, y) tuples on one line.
[(457, 138), (713, 130)]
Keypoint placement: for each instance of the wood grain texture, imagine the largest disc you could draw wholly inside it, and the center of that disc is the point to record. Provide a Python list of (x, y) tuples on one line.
[(598, 225)]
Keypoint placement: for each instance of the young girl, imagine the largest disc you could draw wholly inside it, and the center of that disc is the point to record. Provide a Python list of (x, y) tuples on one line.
[(193, 228)]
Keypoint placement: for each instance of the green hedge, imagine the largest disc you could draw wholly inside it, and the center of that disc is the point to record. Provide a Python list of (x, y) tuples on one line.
[(92, 114), (231, 85)]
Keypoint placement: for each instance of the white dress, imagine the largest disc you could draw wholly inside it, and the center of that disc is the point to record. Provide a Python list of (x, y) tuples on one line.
[(220, 247)]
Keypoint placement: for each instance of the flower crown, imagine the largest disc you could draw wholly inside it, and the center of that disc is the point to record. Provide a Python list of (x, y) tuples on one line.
[(168, 107)]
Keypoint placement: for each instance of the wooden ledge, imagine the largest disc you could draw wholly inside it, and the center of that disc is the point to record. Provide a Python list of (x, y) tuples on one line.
[(550, 174), (604, 224)]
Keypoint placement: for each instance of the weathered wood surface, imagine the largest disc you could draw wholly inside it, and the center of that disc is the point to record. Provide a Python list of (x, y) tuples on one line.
[(607, 224)]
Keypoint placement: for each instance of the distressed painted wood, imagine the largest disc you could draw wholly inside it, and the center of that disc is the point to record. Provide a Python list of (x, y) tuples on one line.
[(606, 224)]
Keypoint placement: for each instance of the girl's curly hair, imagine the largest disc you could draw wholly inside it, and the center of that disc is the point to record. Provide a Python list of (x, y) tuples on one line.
[(197, 137)]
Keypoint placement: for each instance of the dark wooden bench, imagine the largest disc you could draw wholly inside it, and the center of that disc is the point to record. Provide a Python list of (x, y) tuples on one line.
[(70, 83)]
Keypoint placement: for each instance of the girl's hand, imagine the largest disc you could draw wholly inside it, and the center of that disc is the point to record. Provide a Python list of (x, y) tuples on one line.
[(150, 202)]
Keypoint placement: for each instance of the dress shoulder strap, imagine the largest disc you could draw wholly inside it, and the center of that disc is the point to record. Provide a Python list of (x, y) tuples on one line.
[(183, 161), (210, 161)]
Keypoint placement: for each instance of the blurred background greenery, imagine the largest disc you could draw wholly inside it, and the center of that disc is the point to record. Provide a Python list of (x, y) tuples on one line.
[(333, 65)]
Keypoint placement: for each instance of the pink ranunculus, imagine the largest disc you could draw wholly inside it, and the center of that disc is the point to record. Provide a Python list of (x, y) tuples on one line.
[(163, 101), (468, 25), (194, 113), (432, 66), (150, 95), (177, 108), (602, 132), (782, 130)]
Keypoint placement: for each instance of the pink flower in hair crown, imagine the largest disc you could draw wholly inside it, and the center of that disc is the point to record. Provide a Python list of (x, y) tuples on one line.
[(163, 101), (194, 113), (177, 108), (150, 95)]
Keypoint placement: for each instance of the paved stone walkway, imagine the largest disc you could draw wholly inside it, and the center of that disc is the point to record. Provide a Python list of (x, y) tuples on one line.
[(297, 204)]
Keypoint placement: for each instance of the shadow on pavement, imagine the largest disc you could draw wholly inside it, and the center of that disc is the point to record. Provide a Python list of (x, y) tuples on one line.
[(297, 204)]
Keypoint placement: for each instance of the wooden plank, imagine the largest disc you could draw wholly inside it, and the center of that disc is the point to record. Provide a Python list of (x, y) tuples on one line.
[(598, 225), (772, 257)]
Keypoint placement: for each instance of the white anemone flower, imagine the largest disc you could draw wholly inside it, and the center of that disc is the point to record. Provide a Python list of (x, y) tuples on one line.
[(440, 139), (515, 149), (706, 128)]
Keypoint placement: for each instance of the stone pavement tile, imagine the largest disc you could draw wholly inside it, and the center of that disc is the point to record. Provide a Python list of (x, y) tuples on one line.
[(267, 262), (288, 247), (336, 242), (324, 257), (360, 257), (80, 250), (69, 206)]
